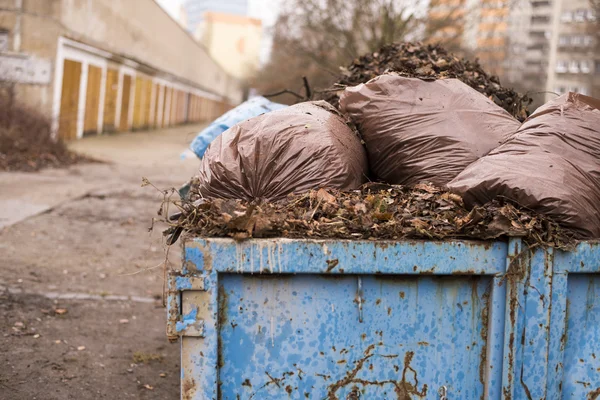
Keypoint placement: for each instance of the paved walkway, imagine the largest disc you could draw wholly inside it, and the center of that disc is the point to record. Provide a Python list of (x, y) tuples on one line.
[(81, 276), (154, 154)]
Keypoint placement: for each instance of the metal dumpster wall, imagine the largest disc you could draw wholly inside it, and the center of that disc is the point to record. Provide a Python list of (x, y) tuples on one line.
[(243, 311)]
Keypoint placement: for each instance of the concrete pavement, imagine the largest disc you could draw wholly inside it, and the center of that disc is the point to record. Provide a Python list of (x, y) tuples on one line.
[(127, 157)]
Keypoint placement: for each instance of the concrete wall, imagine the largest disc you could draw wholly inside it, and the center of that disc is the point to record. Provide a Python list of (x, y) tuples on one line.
[(142, 30), (133, 32)]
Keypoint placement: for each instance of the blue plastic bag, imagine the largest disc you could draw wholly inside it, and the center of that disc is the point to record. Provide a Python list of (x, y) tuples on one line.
[(251, 108)]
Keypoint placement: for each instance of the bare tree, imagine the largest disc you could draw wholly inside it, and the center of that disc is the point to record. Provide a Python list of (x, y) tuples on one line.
[(314, 38)]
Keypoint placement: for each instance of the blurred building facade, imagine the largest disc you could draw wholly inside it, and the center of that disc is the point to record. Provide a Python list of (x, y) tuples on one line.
[(195, 9), (574, 59), (234, 41), (538, 45), (107, 65)]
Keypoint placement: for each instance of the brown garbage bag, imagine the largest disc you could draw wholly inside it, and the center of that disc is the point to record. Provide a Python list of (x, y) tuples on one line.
[(417, 130), (303, 147), (552, 166)]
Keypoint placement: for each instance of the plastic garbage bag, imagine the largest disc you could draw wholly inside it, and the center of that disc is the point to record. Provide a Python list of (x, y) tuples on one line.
[(551, 165), (302, 147), (417, 130), (251, 108)]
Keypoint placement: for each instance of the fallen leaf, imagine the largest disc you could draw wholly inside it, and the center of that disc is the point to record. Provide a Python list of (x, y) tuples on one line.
[(323, 195), (163, 375), (148, 387), (427, 188), (19, 324), (123, 321), (80, 348), (60, 311), (37, 335)]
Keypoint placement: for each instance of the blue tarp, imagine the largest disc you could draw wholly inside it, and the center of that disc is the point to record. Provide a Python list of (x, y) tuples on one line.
[(251, 108)]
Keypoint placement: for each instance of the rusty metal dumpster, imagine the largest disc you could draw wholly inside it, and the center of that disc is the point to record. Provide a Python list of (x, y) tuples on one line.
[(333, 319)]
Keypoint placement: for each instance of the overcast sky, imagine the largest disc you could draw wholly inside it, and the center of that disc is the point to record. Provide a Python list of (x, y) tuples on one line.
[(265, 10)]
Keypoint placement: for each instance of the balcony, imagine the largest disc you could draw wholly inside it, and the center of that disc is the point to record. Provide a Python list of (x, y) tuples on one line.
[(536, 4), (538, 20)]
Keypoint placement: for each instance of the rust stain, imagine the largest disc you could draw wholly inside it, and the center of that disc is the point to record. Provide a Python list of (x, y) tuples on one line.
[(188, 387), (485, 319), (207, 258), (403, 388), (272, 381), (223, 300), (331, 264), (515, 273), (594, 394), (247, 383), (173, 313), (402, 295)]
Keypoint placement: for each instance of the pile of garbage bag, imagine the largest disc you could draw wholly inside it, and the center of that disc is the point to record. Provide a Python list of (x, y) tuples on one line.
[(407, 132)]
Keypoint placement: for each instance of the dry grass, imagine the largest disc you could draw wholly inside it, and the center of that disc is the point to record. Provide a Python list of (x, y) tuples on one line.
[(26, 142)]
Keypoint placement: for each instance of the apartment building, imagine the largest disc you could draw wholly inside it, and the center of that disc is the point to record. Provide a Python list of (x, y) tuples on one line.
[(492, 34), (234, 41), (478, 27), (574, 59), (537, 45)]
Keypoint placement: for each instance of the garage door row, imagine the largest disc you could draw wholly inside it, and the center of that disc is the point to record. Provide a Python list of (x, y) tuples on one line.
[(109, 98)]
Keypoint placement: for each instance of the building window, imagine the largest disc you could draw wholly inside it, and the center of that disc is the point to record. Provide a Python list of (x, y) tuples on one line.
[(566, 16), (584, 91), (580, 15), (561, 67), (542, 3), (577, 40), (591, 15), (559, 89), (585, 66), (574, 67), (563, 40), (540, 19), (588, 40), (597, 67)]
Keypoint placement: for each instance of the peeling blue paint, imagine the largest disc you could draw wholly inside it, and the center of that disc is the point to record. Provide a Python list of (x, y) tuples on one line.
[(187, 320), (489, 320), (183, 283)]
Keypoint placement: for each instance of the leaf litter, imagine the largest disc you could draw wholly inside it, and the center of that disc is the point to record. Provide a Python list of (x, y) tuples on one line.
[(427, 62), (375, 212)]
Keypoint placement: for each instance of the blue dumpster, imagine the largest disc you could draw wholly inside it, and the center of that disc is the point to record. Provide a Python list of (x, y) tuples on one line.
[(335, 319)]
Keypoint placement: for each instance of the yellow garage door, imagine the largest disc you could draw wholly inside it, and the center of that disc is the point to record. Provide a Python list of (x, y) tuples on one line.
[(92, 100), (138, 106), (158, 90), (110, 100), (69, 101), (147, 102), (126, 96)]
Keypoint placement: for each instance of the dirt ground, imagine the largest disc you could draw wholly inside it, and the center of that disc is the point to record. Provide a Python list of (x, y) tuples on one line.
[(81, 313)]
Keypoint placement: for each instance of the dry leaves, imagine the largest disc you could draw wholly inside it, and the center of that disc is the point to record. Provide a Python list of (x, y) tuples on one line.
[(417, 60), (377, 211)]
